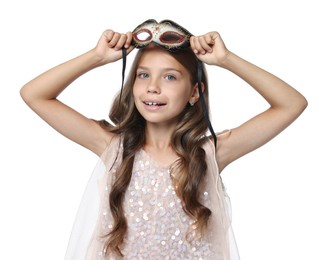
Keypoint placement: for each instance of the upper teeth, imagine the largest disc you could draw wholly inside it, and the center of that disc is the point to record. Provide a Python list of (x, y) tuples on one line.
[(151, 103)]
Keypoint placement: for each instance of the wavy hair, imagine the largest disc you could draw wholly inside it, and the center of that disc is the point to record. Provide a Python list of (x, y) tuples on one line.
[(187, 140)]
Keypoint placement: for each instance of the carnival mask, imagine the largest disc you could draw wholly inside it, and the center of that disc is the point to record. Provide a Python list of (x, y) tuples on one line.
[(166, 34)]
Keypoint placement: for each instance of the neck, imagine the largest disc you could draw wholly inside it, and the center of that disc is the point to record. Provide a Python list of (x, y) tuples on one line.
[(158, 144), (159, 137)]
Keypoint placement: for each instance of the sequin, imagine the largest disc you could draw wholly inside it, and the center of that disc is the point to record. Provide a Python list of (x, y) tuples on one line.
[(158, 227)]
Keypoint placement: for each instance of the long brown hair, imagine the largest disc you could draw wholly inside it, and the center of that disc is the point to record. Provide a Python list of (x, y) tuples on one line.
[(187, 141)]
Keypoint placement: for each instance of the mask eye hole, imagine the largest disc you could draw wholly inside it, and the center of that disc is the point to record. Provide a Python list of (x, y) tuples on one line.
[(143, 35), (171, 37)]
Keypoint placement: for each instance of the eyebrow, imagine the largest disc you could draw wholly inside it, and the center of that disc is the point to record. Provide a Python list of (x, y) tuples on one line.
[(163, 69)]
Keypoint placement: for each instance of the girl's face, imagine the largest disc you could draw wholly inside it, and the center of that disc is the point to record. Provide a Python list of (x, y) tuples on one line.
[(162, 87)]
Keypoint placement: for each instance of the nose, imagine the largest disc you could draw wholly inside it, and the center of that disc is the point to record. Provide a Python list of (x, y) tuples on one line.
[(153, 86)]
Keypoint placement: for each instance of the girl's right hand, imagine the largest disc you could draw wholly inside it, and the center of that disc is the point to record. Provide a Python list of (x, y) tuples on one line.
[(110, 44)]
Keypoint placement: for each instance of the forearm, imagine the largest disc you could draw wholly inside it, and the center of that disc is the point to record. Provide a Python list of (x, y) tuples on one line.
[(52, 82), (274, 90)]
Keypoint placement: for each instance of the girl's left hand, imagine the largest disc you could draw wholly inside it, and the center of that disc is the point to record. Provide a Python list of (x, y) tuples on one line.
[(209, 48)]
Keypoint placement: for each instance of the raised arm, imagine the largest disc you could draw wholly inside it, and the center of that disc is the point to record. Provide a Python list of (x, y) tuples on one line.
[(41, 93), (286, 103)]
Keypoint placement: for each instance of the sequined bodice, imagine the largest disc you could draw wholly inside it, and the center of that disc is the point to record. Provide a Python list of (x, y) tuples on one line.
[(157, 224), (158, 227)]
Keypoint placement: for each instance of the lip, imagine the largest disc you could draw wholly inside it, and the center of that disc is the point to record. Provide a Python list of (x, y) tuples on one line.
[(153, 105)]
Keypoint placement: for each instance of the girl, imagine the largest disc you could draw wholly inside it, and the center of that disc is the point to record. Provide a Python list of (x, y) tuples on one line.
[(160, 195)]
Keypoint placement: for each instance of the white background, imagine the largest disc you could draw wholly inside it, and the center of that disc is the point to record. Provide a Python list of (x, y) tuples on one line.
[(281, 193)]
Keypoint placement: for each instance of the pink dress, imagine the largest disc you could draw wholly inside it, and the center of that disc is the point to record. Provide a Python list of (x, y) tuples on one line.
[(158, 228)]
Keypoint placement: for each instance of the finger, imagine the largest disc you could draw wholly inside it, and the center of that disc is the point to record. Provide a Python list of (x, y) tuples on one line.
[(195, 45), (114, 40), (192, 44), (108, 34), (198, 45), (121, 42), (129, 39), (209, 38), (206, 42)]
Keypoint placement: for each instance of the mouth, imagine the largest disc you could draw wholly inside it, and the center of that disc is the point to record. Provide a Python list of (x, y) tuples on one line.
[(150, 103)]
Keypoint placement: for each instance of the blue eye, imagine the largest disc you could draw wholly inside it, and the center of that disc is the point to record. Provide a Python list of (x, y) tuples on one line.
[(143, 75), (170, 77)]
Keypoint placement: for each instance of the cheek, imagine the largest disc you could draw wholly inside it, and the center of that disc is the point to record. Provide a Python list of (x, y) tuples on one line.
[(180, 99), (137, 95), (136, 91), (184, 94)]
